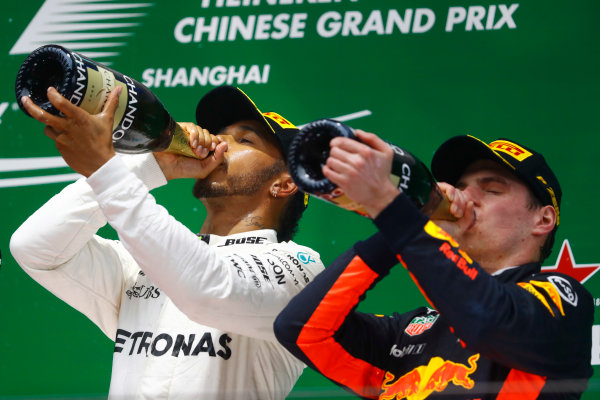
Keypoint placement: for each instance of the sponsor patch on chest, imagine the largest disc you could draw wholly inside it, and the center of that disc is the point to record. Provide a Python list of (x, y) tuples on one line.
[(142, 288), (418, 325)]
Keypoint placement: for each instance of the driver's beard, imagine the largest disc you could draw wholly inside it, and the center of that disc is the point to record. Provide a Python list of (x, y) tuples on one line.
[(238, 185)]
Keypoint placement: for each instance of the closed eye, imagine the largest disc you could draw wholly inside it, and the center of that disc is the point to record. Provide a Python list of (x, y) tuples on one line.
[(494, 188)]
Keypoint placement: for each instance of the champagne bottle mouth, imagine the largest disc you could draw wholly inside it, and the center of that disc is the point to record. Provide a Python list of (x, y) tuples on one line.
[(309, 152), (46, 66)]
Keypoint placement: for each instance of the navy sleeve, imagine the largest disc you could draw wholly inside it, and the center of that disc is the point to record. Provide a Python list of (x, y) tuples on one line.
[(529, 325), (321, 327)]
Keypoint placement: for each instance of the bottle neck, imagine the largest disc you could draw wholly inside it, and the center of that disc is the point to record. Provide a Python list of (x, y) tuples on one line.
[(180, 142)]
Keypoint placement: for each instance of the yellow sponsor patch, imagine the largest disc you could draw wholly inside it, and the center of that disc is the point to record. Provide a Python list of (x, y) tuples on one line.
[(531, 289), (282, 122), (552, 292), (513, 150), (435, 231)]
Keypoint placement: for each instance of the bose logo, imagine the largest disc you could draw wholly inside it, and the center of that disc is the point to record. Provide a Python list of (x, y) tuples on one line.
[(244, 240)]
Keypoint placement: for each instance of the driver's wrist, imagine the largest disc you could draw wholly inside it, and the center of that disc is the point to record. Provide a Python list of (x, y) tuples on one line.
[(381, 200)]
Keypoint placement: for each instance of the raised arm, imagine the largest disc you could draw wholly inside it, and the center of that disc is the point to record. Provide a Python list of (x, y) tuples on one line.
[(502, 320), (57, 247), (202, 283), (321, 326)]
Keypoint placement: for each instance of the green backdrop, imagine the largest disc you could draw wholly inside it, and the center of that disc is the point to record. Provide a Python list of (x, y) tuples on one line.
[(416, 72)]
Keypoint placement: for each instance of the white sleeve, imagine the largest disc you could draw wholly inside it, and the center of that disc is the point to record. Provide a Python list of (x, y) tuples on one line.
[(237, 292), (58, 248)]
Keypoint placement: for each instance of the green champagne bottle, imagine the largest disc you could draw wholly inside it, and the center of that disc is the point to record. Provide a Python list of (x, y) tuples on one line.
[(310, 149), (142, 123)]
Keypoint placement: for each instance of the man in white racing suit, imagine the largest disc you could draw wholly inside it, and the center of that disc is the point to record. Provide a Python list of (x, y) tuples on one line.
[(191, 315)]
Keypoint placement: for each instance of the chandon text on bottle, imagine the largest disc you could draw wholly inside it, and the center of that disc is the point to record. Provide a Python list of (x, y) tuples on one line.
[(141, 122)]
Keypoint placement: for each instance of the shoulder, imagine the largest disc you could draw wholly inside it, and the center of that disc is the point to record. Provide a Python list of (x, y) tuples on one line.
[(564, 284), (303, 253), (563, 289), (301, 257)]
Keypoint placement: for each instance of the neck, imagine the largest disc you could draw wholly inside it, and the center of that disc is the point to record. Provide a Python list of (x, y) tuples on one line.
[(235, 214), (492, 264)]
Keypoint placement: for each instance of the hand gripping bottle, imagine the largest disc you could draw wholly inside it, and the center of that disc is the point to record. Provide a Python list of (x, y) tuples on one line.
[(141, 124), (309, 152)]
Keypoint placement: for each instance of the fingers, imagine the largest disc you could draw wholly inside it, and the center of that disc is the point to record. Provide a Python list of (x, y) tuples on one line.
[(205, 139), (51, 132), (175, 167), (342, 163), (362, 173), (40, 115), (369, 145), (193, 133), (448, 190), (339, 179), (346, 144), (456, 210), (213, 161), (63, 105), (201, 140), (205, 142), (219, 151), (469, 208), (372, 140), (346, 152), (112, 102), (349, 156), (457, 199)]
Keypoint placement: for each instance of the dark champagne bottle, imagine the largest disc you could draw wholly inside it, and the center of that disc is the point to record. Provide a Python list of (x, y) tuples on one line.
[(310, 149), (141, 124)]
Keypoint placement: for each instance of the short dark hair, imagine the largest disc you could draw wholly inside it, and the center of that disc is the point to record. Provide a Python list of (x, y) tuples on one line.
[(288, 223)]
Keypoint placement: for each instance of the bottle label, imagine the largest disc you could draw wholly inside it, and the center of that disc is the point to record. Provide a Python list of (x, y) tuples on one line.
[(338, 198), (98, 83)]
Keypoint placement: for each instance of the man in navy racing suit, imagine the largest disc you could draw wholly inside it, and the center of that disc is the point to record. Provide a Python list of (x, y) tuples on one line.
[(498, 328)]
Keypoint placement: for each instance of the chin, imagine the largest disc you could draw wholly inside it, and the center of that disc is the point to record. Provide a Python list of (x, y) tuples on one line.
[(206, 188)]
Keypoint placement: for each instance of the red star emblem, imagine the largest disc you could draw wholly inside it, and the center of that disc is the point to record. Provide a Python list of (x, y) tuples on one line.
[(566, 264)]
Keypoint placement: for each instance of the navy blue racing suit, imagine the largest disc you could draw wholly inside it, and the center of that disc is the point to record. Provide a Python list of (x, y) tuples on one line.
[(517, 334)]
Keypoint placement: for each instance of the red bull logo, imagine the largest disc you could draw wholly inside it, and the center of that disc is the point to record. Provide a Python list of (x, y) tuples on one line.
[(461, 260), (419, 383)]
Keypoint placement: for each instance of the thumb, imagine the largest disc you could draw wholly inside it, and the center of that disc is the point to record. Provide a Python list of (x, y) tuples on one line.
[(216, 158), (219, 152)]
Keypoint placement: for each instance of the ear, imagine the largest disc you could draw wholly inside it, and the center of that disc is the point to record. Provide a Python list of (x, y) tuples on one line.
[(283, 186), (545, 220)]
